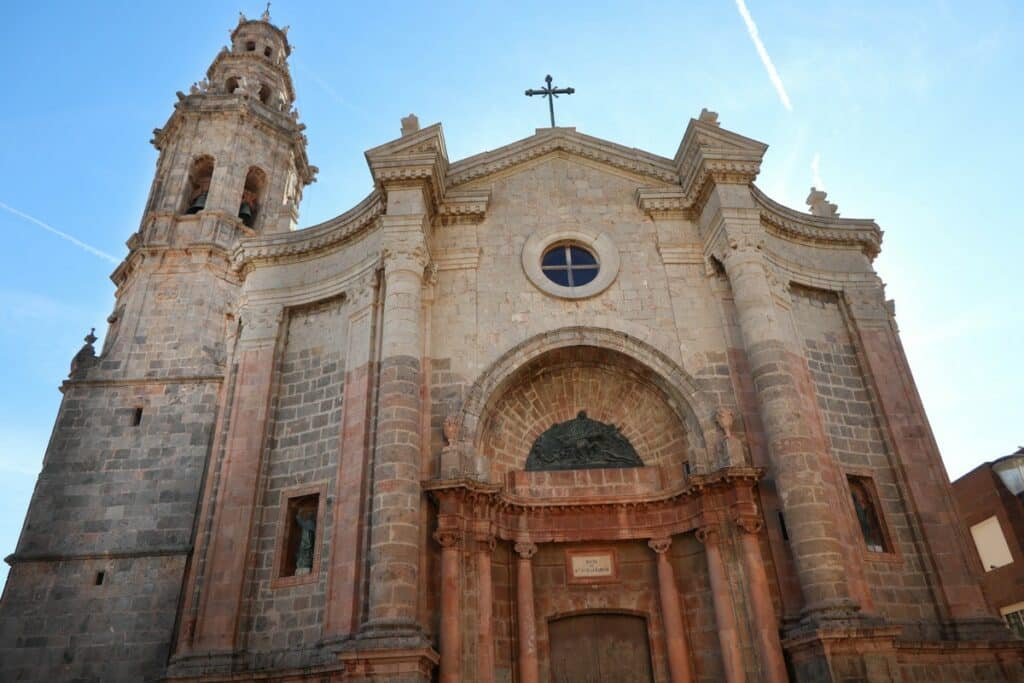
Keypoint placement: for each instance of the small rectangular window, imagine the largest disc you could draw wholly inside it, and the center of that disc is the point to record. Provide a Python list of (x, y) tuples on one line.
[(300, 541), (100, 576), (991, 544), (137, 417)]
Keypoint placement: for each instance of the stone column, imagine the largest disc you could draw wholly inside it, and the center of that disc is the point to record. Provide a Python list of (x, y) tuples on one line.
[(675, 633), (485, 609), (345, 576), (802, 466), (773, 666), (725, 617), (231, 533), (451, 585), (528, 670), (395, 531)]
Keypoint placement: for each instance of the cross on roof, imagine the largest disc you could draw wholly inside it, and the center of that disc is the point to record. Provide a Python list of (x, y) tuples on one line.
[(551, 93)]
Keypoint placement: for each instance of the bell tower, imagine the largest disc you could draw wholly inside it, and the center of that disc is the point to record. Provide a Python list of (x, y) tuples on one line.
[(233, 149), (110, 526)]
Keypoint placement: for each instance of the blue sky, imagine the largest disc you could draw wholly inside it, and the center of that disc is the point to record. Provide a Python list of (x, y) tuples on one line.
[(912, 110)]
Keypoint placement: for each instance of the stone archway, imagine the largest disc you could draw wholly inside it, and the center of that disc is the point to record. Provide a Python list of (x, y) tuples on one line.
[(627, 355), (595, 647)]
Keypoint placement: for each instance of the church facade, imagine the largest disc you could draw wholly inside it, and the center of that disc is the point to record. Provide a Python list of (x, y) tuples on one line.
[(563, 410)]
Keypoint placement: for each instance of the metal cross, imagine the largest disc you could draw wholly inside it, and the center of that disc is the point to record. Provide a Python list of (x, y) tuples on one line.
[(550, 93)]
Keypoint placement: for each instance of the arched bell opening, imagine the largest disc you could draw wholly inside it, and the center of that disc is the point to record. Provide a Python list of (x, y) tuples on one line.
[(252, 195), (197, 187), (231, 85), (583, 407), (264, 93)]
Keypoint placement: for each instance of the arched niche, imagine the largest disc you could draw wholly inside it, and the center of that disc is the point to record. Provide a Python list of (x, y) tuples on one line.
[(252, 196), (615, 378), (197, 185)]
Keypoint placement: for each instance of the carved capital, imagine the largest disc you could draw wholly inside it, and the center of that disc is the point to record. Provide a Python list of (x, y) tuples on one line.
[(413, 260), (709, 533), (448, 538), (751, 524), (660, 545), (361, 293), (526, 550), (485, 543), (260, 324)]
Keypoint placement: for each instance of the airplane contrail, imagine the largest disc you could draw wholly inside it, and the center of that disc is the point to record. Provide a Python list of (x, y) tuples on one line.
[(63, 235), (773, 75)]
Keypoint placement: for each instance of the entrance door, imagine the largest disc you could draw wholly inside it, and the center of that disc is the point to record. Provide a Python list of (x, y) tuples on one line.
[(600, 648)]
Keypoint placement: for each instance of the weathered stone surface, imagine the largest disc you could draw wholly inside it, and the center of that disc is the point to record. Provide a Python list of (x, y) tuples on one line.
[(397, 363)]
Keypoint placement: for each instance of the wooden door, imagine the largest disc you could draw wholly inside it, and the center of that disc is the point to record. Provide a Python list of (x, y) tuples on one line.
[(600, 648)]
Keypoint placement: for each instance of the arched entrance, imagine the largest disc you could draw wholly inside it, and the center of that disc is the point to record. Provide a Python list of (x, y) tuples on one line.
[(600, 648)]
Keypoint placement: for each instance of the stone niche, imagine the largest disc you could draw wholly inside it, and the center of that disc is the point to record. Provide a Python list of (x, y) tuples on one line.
[(609, 387)]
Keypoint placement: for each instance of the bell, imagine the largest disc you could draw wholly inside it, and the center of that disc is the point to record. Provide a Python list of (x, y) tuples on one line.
[(247, 214), (198, 204)]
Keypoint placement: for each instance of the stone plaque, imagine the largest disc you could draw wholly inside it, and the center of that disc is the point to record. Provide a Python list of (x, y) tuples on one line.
[(591, 566)]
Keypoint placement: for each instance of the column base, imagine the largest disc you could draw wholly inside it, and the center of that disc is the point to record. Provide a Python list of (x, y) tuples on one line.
[(389, 634), (396, 665)]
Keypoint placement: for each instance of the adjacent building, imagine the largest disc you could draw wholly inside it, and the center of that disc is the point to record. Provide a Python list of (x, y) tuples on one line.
[(562, 410), (991, 502)]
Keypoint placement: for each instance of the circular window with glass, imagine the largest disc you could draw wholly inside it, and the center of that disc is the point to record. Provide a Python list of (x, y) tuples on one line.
[(569, 265)]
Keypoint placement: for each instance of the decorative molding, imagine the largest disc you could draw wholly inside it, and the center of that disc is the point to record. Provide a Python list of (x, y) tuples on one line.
[(660, 545), (793, 225), (681, 254), (709, 533), (464, 206), (655, 200), (750, 524), (526, 550), (457, 259), (448, 538), (309, 241), (548, 140)]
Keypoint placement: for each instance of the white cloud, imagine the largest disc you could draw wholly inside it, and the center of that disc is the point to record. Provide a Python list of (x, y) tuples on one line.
[(773, 74), (63, 235)]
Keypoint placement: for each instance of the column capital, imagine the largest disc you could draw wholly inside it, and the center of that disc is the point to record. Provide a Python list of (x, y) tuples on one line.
[(448, 538), (526, 550), (709, 533), (413, 259), (660, 545), (361, 292), (751, 524), (485, 542), (260, 325)]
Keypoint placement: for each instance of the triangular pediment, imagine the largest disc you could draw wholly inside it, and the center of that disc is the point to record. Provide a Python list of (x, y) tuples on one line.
[(547, 141)]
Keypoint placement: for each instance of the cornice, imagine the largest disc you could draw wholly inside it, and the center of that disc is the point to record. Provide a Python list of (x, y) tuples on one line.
[(277, 122), (548, 140), (308, 241), (662, 200), (499, 498), (801, 227), (464, 206)]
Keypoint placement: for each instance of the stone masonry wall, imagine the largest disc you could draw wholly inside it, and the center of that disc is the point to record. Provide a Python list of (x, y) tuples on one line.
[(897, 580), (57, 624), (303, 451), (112, 497)]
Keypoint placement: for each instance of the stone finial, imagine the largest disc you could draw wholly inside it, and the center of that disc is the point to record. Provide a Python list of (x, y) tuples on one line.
[(241, 18), (820, 206), (732, 452), (266, 14), (410, 124), (86, 356), (708, 116)]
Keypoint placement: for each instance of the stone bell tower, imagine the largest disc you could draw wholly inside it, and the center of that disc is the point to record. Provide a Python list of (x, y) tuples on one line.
[(110, 527)]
